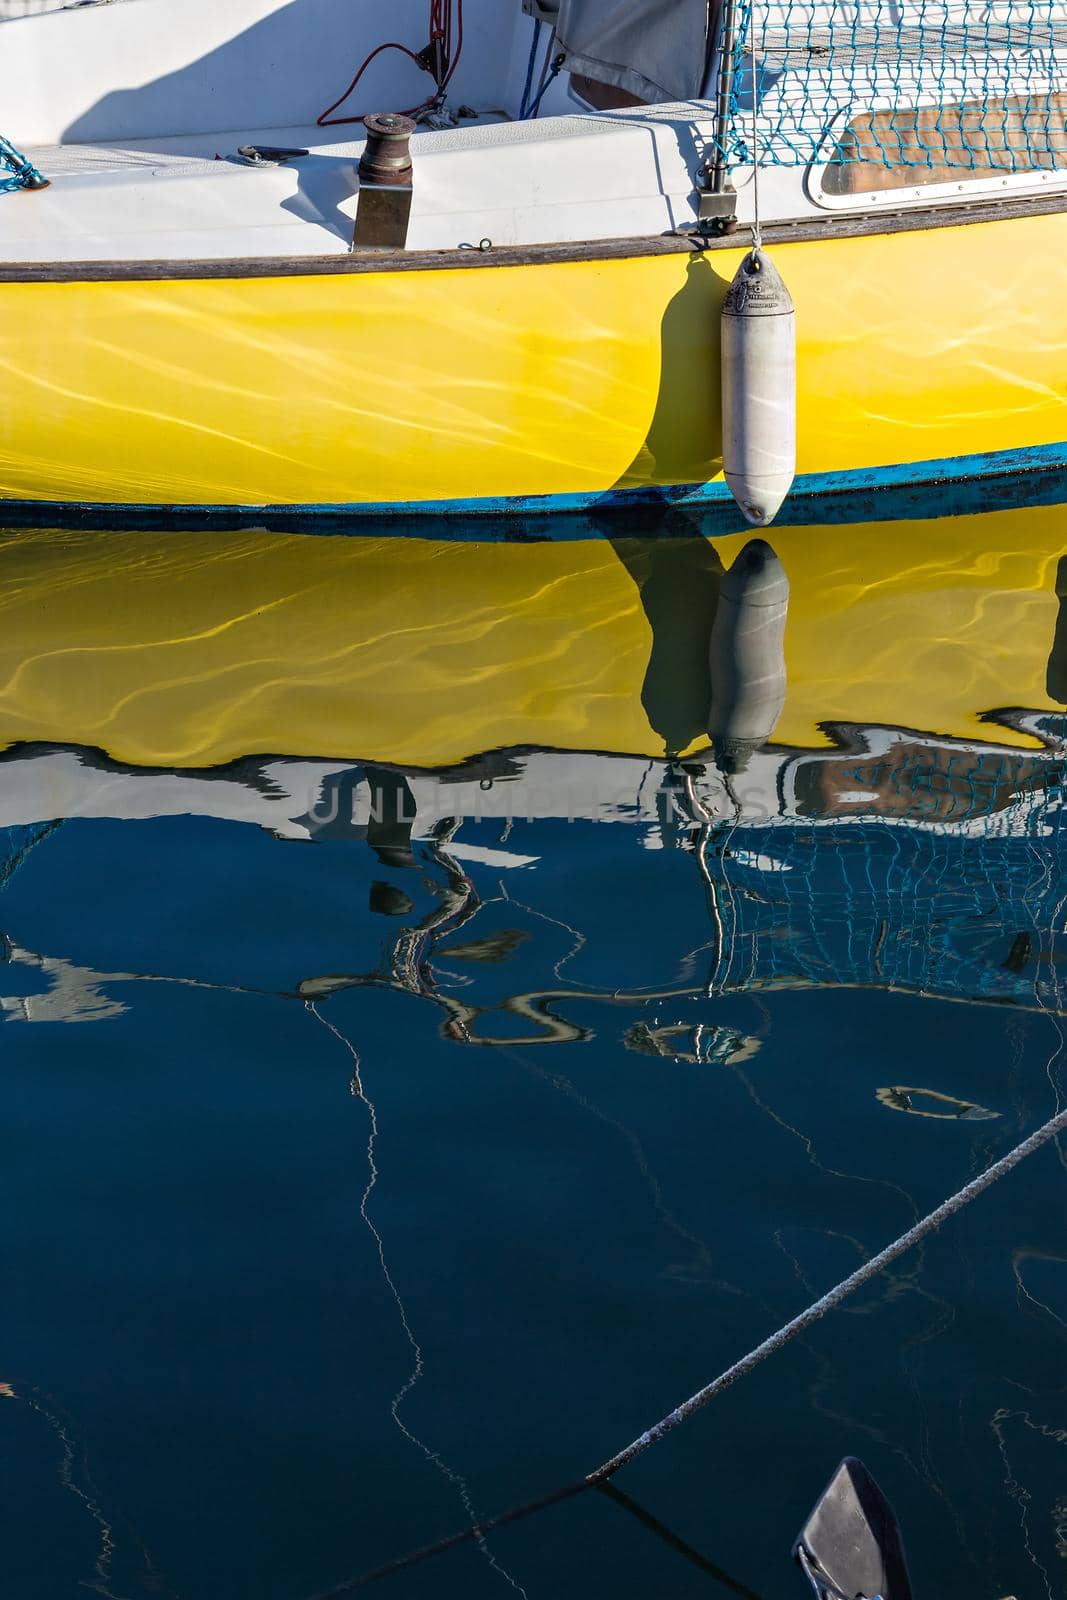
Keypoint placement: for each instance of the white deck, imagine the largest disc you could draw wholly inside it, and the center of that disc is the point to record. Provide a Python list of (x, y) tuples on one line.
[(136, 113), (121, 107), (580, 177)]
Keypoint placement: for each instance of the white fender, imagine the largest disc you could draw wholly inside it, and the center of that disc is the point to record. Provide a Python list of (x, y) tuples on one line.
[(748, 679), (759, 389)]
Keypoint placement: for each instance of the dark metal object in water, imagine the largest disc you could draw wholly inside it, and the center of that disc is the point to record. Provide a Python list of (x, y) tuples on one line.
[(850, 1547)]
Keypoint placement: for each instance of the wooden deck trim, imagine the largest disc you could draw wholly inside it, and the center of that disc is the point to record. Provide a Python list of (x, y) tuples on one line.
[(806, 229)]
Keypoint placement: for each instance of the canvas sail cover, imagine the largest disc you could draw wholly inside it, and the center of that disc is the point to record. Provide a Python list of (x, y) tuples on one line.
[(656, 49)]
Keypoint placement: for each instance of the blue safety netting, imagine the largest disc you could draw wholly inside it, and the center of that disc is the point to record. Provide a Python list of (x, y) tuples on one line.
[(932, 88)]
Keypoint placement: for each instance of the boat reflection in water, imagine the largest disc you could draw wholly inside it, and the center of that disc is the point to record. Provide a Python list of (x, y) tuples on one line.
[(882, 857), (892, 860)]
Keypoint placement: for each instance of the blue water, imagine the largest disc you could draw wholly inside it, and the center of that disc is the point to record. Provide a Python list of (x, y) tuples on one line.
[(358, 1179)]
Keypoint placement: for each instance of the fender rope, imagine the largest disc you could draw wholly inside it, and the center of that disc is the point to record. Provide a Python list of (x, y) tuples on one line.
[(711, 1391)]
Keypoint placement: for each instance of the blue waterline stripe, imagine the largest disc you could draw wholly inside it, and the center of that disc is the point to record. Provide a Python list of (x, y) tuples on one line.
[(949, 487)]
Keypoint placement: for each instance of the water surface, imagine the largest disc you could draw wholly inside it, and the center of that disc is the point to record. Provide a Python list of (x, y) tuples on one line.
[(419, 1075)]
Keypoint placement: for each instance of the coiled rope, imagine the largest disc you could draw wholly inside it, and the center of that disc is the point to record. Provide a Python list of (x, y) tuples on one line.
[(711, 1391)]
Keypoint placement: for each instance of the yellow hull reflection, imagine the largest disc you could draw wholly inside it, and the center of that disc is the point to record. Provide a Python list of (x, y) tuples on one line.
[(573, 378), (190, 650)]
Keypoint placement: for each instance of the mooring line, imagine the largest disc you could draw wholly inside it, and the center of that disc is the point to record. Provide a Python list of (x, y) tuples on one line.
[(711, 1391), (669, 1537)]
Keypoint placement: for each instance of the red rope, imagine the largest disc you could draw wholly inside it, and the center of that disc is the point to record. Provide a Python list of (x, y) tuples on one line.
[(446, 21)]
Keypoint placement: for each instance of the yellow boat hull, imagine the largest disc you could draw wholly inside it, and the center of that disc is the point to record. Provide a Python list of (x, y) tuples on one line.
[(560, 384)]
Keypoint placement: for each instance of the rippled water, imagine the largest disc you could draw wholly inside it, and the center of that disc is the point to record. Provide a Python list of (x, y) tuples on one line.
[(422, 1069)]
